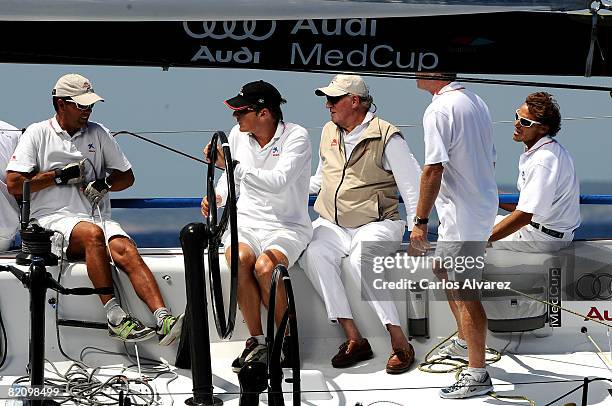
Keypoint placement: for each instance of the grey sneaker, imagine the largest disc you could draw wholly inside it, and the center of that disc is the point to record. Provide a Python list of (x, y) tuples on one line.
[(170, 329), (467, 386), (130, 330), (453, 349), (253, 352)]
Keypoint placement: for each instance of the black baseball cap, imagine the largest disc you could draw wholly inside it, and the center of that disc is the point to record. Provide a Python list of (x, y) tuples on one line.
[(255, 94)]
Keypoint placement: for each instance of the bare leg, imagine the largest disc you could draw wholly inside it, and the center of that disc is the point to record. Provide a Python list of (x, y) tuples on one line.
[(128, 259), (350, 329), (442, 275), (398, 338), (264, 267), (87, 241), (474, 323), (249, 299)]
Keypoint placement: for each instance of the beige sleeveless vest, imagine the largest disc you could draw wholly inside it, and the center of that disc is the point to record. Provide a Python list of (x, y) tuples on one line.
[(359, 191)]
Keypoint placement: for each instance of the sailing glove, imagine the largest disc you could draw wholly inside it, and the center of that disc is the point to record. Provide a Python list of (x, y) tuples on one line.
[(96, 190), (70, 174)]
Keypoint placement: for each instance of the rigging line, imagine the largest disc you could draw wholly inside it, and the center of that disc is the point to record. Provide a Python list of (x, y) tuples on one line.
[(161, 145), (409, 75), (200, 131), (174, 131)]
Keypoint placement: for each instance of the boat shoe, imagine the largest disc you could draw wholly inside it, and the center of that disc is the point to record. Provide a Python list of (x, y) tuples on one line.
[(400, 360), (351, 352)]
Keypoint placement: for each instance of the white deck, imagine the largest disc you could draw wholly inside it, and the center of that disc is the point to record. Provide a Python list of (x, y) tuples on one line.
[(539, 368)]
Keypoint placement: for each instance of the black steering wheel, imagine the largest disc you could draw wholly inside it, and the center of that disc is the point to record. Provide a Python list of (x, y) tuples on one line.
[(225, 327), (275, 340)]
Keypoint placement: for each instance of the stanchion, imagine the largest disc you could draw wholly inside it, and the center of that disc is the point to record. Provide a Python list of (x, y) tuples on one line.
[(194, 239), (194, 348)]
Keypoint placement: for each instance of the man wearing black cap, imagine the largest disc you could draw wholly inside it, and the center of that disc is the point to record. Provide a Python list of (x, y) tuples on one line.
[(272, 176)]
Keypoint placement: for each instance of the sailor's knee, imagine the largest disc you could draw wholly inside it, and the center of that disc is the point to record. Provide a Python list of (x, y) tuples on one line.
[(90, 234), (263, 268), (122, 248)]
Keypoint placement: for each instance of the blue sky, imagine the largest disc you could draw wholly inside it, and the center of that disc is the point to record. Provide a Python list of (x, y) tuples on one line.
[(149, 99)]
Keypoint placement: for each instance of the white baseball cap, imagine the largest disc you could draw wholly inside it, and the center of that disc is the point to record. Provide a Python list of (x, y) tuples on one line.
[(76, 87), (344, 84)]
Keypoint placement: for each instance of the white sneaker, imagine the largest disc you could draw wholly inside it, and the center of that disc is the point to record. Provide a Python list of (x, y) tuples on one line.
[(467, 386), (453, 349)]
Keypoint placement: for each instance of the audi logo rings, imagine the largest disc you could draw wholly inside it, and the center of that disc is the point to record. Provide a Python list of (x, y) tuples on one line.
[(592, 286), (237, 30)]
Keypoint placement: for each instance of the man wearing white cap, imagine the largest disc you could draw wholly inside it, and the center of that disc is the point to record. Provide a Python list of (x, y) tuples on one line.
[(72, 163), (9, 215), (364, 163)]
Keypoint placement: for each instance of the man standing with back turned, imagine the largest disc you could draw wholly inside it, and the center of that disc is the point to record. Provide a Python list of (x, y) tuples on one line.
[(459, 176)]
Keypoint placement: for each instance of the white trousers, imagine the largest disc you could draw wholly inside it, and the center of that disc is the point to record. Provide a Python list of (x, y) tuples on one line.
[(530, 239), (322, 259)]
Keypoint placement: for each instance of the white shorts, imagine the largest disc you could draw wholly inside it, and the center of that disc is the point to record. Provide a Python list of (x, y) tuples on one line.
[(289, 242), (64, 224), (5, 243)]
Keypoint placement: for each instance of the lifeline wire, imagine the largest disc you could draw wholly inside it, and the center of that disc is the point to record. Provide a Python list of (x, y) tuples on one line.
[(408, 125), (402, 75)]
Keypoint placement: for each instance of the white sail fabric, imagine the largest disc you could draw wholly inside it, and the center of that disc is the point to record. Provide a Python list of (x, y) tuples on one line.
[(210, 10)]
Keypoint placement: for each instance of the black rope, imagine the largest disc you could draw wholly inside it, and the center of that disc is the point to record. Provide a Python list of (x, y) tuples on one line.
[(160, 145)]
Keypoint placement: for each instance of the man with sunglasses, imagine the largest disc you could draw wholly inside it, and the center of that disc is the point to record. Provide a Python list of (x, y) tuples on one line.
[(548, 210), (364, 164), (72, 163), (459, 178), (273, 159)]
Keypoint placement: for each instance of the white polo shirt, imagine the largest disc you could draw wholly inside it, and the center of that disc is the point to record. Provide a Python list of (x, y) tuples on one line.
[(458, 133), (548, 186), (272, 181), (396, 158), (46, 146), (9, 211)]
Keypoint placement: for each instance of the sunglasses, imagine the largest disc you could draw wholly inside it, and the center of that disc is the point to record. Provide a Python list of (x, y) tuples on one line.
[(79, 106), (332, 100), (245, 110), (524, 122)]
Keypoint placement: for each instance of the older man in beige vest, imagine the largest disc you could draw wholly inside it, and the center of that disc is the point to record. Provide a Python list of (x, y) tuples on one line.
[(364, 163)]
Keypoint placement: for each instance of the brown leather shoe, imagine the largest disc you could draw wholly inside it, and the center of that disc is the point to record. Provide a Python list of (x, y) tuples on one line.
[(351, 352), (400, 360)]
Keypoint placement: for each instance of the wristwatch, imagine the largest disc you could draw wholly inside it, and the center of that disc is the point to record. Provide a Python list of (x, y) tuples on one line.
[(417, 221)]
